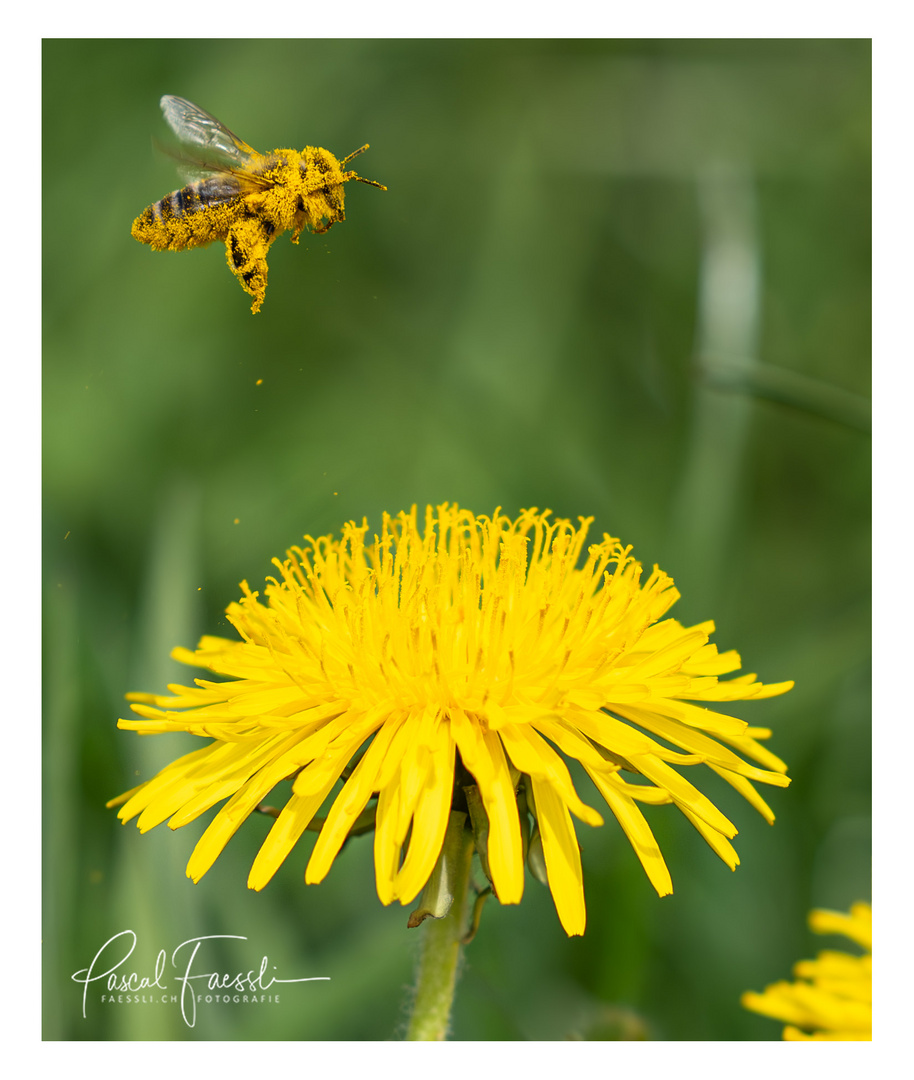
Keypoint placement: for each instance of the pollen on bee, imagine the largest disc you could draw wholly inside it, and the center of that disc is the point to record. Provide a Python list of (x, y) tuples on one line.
[(246, 199)]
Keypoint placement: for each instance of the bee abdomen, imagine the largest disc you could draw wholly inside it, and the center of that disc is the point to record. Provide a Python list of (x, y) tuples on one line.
[(191, 216), (213, 191), (178, 203)]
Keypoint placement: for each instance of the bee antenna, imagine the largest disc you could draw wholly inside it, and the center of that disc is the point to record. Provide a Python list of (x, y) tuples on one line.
[(355, 153), (355, 176), (373, 183)]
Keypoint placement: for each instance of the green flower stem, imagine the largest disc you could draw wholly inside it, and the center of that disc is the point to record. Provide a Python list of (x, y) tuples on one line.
[(440, 951)]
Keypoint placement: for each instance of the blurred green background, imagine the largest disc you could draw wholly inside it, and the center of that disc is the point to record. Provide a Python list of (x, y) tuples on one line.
[(627, 279)]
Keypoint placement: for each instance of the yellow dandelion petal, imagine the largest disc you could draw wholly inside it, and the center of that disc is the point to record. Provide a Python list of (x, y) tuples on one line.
[(684, 794), (237, 767), (708, 749), (848, 978), (709, 662), (531, 754), (746, 744), (562, 855), (605, 730), (432, 810), (484, 757), (396, 804), (646, 793), (832, 996), (670, 657), (718, 841), (451, 651), (350, 802), (768, 690), (691, 716), (137, 799), (658, 634), (857, 925), (572, 743), (636, 829), (792, 1034), (390, 832), (223, 827), (415, 761), (225, 824), (746, 789), (293, 819)]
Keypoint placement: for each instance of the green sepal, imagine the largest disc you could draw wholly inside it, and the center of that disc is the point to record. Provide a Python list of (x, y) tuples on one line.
[(438, 895), (536, 860), (480, 822)]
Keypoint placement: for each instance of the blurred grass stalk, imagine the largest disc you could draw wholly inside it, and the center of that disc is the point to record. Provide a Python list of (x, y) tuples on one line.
[(728, 316), (151, 888), (789, 388), (730, 375), (60, 787)]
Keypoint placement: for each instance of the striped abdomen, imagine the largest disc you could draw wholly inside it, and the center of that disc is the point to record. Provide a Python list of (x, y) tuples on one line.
[(196, 214)]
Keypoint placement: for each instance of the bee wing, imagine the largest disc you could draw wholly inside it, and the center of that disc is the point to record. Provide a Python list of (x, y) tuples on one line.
[(198, 129)]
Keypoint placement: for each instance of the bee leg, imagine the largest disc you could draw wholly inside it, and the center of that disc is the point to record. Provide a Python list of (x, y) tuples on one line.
[(246, 245), (298, 225)]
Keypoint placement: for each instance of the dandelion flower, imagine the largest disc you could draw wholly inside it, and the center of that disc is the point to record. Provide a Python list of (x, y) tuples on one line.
[(456, 667), (832, 999)]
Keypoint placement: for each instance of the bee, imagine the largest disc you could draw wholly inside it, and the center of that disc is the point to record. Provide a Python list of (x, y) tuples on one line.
[(241, 197)]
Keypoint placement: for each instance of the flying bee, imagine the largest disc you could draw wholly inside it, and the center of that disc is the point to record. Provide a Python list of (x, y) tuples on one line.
[(241, 197)]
